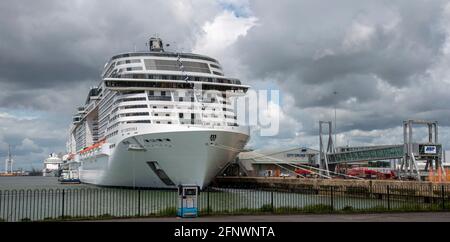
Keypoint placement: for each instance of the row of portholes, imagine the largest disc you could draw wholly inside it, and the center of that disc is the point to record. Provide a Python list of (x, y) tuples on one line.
[(156, 140)]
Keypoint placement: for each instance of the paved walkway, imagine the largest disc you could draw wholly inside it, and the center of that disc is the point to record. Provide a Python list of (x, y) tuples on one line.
[(381, 217)]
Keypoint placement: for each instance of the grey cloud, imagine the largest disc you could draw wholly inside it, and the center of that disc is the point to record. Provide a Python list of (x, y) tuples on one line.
[(52, 51), (50, 43), (376, 54)]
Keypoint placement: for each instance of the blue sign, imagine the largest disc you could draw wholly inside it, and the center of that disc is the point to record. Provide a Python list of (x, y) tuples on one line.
[(431, 149)]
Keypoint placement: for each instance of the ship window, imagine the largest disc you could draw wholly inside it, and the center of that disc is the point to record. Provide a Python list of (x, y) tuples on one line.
[(181, 115), (132, 99), (138, 122), (167, 115), (135, 106), (156, 114), (169, 122), (215, 66), (160, 98), (134, 114), (192, 116), (173, 65), (132, 92), (151, 93), (163, 93), (158, 122)]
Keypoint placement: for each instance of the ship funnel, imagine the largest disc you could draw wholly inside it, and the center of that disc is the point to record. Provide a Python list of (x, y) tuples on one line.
[(155, 44)]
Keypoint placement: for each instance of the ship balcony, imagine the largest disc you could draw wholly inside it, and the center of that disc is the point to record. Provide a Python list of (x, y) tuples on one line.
[(159, 98)]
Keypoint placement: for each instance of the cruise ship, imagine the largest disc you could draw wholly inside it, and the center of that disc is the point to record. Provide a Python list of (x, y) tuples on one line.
[(158, 119)]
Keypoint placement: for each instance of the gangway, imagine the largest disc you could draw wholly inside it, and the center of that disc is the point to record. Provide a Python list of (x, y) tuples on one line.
[(366, 153), (409, 152)]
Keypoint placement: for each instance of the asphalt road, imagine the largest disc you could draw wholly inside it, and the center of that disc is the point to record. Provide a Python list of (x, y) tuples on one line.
[(380, 217)]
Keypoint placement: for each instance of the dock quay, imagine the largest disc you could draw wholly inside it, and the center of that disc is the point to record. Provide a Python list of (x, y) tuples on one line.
[(377, 188)]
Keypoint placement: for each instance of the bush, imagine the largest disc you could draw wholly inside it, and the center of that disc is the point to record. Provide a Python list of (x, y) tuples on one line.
[(378, 209), (288, 210), (317, 208), (347, 209), (207, 210), (64, 217), (106, 215), (248, 210), (266, 208), (169, 211)]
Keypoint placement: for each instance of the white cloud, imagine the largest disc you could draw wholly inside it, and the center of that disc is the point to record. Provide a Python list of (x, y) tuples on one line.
[(5, 115), (358, 36), (28, 145), (222, 32)]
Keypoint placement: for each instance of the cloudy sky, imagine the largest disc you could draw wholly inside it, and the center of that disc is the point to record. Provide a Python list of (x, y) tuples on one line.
[(387, 60)]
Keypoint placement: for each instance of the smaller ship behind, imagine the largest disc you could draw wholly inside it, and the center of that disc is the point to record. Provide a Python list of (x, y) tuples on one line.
[(52, 166)]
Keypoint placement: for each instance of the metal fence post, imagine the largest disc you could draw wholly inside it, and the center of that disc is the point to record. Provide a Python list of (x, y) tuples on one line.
[(62, 204), (332, 198), (139, 202), (388, 198), (443, 197), (207, 201), (271, 201)]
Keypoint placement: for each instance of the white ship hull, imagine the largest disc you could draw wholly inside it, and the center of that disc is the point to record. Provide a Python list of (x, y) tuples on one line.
[(164, 159)]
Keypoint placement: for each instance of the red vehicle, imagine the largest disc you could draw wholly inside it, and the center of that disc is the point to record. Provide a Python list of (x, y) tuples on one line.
[(371, 172), (303, 172)]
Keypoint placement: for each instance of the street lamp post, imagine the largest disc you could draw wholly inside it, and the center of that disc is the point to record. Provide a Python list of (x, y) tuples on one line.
[(335, 130)]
